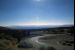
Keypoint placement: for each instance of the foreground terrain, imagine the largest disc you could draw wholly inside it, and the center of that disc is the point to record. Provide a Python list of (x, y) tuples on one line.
[(60, 38)]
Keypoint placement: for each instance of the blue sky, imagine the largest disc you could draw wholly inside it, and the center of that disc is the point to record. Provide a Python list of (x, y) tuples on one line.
[(35, 12)]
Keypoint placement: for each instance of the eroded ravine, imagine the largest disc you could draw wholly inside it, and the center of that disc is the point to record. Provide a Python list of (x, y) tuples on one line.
[(38, 42)]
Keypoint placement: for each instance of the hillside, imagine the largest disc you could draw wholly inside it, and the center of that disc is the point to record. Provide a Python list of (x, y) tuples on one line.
[(14, 36)]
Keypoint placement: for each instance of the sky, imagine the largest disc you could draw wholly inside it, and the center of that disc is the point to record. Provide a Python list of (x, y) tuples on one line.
[(36, 12)]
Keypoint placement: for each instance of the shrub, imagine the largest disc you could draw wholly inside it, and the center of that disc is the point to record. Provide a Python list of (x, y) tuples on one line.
[(47, 48)]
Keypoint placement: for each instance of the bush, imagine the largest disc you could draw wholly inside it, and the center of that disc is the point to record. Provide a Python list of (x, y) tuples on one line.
[(51, 48), (25, 45), (47, 48)]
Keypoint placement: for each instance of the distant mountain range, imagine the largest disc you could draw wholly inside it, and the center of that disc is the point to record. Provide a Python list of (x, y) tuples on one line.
[(36, 27)]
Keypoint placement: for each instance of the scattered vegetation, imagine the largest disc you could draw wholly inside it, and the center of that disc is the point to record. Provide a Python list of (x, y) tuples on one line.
[(46, 48), (67, 43), (9, 38)]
